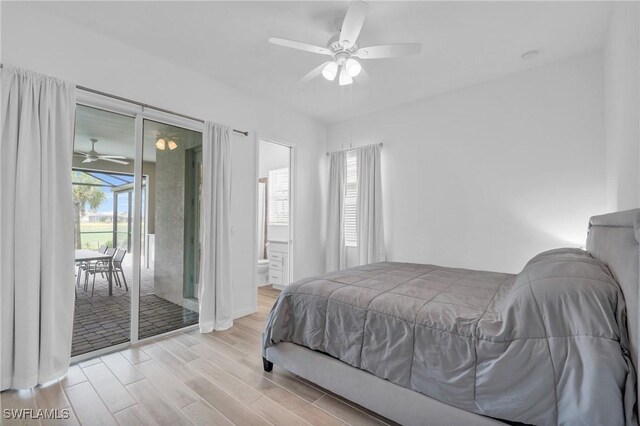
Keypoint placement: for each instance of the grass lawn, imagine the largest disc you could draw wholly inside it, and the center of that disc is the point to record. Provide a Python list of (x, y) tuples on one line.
[(96, 227), (104, 237)]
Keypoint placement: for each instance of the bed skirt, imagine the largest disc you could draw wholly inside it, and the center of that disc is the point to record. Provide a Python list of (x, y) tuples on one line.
[(394, 402)]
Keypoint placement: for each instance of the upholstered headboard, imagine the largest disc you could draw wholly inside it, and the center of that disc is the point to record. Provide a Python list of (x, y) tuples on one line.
[(613, 238)]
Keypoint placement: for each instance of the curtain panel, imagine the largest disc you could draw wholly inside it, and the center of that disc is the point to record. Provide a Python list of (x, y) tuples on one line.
[(369, 206), (36, 228), (336, 250), (215, 293)]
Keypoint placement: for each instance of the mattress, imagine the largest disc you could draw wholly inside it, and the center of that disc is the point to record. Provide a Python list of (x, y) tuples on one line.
[(546, 346)]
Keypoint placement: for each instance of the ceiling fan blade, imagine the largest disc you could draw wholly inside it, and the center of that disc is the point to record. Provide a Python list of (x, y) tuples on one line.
[(87, 160), (316, 72), (352, 24), (388, 51), (299, 45), (79, 154), (115, 161), (117, 157)]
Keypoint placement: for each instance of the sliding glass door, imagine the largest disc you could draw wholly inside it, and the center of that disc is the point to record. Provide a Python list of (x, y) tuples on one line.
[(136, 187)]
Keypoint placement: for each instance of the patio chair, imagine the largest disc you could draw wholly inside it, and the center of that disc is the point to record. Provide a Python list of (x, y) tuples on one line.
[(100, 266), (105, 249), (85, 267), (117, 268), (103, 268), (111, 251)]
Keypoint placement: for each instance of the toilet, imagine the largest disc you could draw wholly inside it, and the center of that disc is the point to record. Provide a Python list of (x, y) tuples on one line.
[(263, 272)]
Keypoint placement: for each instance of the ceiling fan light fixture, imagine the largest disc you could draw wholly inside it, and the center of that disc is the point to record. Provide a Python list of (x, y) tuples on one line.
[(345, 78), (172, 145), (160, 144), (343, 46), (330, 71), (353, 67)]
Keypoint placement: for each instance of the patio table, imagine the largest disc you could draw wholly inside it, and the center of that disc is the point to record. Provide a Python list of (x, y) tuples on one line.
[(84, 255)]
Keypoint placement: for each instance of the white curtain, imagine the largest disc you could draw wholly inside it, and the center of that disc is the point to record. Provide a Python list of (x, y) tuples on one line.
[(36, 228), (262, 217), (215, 295), (336, 250), (369, 206)]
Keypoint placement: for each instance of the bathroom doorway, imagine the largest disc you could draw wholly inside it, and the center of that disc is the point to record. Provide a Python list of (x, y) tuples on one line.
[(274, 216)]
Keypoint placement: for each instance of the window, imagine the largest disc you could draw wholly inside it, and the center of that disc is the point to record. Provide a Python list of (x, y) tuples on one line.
[(351, 193), (278, 197)]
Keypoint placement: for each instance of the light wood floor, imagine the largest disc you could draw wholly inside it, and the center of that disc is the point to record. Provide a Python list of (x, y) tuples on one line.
[(190, 378)]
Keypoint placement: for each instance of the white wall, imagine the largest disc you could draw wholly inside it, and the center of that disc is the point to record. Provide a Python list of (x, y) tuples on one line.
[(36, 40), (487, 176), (622, 106)]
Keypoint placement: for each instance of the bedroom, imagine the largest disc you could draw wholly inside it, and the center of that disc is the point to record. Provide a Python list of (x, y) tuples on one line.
[(514, 125)]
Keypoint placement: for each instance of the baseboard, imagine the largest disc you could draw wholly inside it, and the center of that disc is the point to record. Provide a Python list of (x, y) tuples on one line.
[(244, 312)]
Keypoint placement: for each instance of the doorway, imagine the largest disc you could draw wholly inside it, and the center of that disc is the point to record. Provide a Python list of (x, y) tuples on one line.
[(275, 214)]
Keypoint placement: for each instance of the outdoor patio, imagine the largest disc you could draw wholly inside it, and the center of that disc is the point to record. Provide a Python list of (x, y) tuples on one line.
[(102, 320)]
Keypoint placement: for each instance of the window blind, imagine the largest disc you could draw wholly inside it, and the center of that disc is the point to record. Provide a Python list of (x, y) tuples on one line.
[(351, 192), (278, 197)]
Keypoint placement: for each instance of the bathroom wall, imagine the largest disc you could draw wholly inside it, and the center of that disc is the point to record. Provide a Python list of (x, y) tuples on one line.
[(273, 156)]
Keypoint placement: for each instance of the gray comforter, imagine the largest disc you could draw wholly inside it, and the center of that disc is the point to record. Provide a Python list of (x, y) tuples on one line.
[(546, 346)]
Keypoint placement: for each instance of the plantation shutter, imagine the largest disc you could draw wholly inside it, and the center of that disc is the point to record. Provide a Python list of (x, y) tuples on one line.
[(350, 233), (279, 197)]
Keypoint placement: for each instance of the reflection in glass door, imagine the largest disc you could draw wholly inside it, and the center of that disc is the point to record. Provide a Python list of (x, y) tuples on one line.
[(167, 288)]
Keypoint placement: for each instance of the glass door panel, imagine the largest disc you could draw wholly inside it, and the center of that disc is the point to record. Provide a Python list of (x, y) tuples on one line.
[(103, 165), (169, 235)]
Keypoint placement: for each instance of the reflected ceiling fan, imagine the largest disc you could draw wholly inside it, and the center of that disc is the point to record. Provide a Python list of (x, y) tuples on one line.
[(92, 156), (343, 48)]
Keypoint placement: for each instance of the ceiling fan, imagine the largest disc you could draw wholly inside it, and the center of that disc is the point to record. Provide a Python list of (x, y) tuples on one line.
[(343, 48), (92, 156)]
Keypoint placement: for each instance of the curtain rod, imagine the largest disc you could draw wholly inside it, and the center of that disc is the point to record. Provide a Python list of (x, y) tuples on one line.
[(351, 149), (120, 98)]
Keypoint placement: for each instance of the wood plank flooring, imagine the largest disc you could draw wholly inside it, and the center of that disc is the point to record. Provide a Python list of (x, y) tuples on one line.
[(190, 379)]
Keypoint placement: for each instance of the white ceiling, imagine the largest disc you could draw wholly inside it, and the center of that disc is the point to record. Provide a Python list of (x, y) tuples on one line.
[(463, 43)]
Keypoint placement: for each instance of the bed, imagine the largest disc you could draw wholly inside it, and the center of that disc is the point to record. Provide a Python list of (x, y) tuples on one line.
[(424, 344)]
